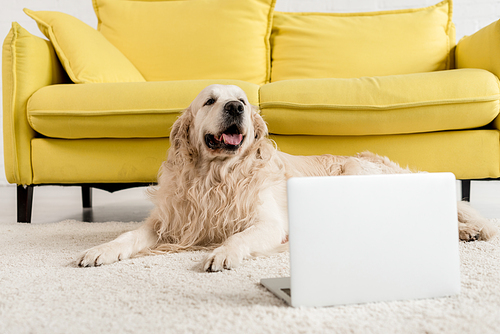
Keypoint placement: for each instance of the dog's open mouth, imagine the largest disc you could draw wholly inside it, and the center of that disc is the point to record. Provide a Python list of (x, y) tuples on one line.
[(230, 139)]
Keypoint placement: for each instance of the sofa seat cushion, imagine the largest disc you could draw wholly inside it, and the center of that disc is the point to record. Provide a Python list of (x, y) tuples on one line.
[(411, 103), (117, 110)]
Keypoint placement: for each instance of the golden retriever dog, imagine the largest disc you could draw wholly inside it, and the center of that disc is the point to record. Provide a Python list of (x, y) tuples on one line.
[(223, 188)]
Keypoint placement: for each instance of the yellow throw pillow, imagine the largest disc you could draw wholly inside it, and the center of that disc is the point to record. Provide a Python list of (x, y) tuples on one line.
[(351, 45), (85, 53), (190, 40)]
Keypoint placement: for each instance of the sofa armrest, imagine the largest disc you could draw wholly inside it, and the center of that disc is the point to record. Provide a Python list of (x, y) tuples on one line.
[(28, 63), (480, 50)]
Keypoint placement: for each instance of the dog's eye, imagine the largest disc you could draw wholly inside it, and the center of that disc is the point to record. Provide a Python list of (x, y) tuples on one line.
[(209, 102), (243, 101)]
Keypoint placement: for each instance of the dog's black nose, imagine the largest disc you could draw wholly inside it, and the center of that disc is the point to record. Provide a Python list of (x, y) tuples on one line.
[(234, 108)]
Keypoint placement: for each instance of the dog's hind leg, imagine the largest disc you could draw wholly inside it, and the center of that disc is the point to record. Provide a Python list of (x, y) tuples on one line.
[(124, 247), (368, 163), (472, 226)]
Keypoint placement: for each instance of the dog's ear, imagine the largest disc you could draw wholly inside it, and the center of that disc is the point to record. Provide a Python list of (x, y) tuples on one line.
[(180, 143), (259, 125), (180, 130)]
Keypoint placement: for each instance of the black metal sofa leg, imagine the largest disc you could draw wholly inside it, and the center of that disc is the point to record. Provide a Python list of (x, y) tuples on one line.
[(466, 190), (24, 203), (86, 197)]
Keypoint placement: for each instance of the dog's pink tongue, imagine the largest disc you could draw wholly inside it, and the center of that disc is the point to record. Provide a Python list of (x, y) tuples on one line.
[(232, 139)]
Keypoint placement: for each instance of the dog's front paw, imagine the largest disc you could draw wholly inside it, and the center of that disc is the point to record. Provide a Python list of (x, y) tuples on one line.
[(104, 254), (222, 258)]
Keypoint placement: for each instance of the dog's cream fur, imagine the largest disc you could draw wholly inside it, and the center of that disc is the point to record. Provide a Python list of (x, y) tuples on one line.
[(232, 201)]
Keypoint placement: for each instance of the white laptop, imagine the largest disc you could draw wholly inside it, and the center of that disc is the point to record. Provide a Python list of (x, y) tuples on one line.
[(359, 239)]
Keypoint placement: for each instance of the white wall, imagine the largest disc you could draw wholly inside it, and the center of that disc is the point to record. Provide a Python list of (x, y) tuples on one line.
[(469, 16)]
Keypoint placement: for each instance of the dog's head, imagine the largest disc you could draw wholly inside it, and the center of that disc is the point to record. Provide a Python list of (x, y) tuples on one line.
[(219, 123)]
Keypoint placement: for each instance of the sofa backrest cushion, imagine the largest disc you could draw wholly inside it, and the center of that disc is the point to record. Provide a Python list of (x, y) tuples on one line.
[(85, 54), (189, 40), (350, 45)]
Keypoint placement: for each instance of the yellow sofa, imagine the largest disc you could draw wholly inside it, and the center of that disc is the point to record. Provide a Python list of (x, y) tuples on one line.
[(94, 107)]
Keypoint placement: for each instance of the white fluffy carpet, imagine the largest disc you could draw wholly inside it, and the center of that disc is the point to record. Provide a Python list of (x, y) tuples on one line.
[(42, 291)]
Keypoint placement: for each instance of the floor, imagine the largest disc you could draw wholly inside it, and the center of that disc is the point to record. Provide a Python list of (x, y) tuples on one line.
[(54, 204)]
